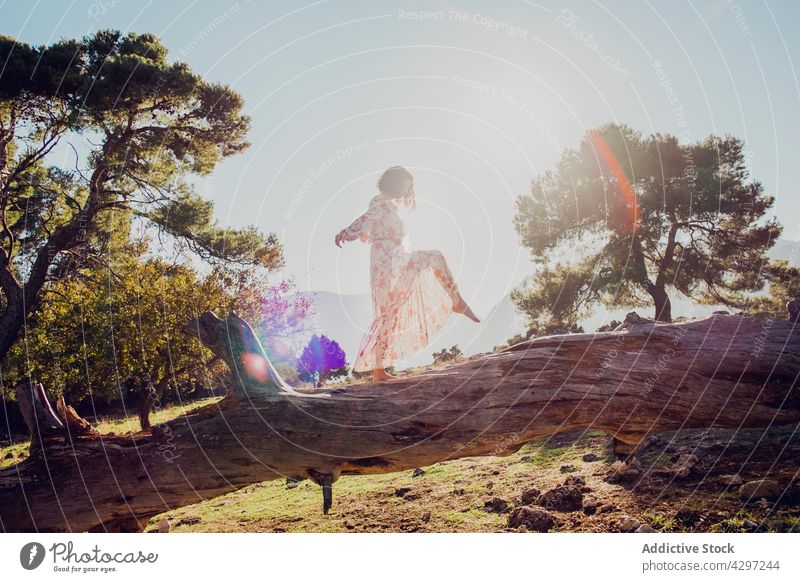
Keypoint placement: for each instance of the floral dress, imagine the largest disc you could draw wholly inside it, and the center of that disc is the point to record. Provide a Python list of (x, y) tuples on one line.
[(412, 292)]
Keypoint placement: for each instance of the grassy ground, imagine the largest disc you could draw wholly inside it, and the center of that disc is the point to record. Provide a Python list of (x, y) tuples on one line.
[(19, 448), (448, 497), (451, 496)]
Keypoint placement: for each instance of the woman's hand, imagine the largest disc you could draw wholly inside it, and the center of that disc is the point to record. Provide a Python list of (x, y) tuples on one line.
[(339, 239)]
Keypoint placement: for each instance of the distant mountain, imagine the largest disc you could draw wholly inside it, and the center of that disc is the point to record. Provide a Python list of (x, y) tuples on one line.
[(345, 318)]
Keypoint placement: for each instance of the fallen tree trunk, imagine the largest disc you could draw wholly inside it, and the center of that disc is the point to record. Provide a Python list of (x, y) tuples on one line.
[(723, 371)]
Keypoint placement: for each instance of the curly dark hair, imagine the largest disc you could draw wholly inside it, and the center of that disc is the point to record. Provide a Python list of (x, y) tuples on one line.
[(391, 183)]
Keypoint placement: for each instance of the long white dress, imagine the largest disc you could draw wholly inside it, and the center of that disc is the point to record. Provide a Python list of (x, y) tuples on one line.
[(412, 291)]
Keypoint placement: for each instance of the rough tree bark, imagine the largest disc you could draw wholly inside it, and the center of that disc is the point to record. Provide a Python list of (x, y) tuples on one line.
[(722, 371)]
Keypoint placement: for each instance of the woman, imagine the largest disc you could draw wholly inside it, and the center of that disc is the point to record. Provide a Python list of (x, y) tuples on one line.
[(413, 293)]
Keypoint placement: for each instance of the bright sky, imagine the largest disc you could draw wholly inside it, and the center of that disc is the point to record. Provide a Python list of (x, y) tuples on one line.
[(475, 98)]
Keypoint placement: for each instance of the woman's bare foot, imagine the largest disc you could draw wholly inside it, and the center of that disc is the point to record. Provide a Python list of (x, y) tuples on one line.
[(460, 306), (380, 375)]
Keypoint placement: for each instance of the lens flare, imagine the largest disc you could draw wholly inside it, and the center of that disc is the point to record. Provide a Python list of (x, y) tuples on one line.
[(611, 163), (256, 367)]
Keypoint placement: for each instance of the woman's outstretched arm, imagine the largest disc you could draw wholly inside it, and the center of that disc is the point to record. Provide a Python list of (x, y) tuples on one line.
[(360, 227)]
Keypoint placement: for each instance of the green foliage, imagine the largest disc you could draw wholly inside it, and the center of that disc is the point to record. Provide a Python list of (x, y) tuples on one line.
[(341, 372), (562, 295), (445, 355), (147, 125), (116, 333), (610, 326), (648, 214), (191, 218), (661, 522), (784, 286)]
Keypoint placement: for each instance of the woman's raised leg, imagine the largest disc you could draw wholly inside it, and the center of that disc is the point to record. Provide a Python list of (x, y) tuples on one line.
[(441, 270)]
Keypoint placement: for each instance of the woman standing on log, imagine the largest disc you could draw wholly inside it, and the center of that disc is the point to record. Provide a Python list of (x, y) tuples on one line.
[(413, 293)]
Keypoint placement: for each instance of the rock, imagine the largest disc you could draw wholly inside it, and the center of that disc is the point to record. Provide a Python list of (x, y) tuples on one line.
[(625, 471), (590, 458), (763, 503), (645, 528), (495, 505), (684, 465), (654, 441), (623, 449), (459, 491), (628, 523), (589, 505), (418, 472), (524, 458), (188, 521), (564, 498), (606, 508), (532, 519), (732, 480), (575, 481), (414, 495), (292, 482), (426, 517), (749, 525), (163, 526), (530, 495), (401, 491), (566, 468), (761, 488)]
